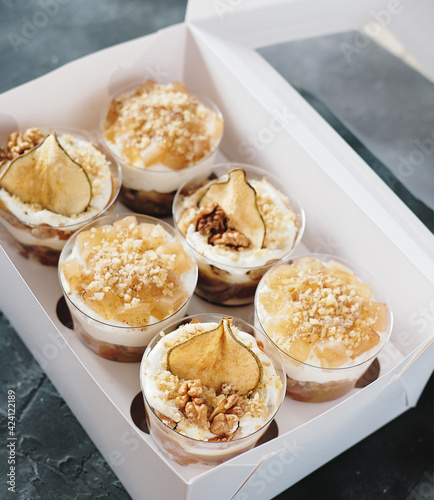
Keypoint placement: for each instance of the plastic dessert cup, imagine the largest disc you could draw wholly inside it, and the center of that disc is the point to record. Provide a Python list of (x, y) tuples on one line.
[(230, 277), (323, 367), (103, 320), (185, 449), (41, 234), (150, 178)]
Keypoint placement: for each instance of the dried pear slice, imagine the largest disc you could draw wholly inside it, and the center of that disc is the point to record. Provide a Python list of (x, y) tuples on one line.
[(216, 357), (238, 200), (3, 168), (47, 175)]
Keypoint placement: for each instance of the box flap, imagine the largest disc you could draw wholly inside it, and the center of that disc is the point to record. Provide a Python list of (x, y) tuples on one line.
[(258, 23), (413, 376)]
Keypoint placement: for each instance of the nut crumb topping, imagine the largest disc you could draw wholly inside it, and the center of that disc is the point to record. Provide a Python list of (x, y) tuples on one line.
[(276, 212), (162, 124), (129, 272), (311, 305)]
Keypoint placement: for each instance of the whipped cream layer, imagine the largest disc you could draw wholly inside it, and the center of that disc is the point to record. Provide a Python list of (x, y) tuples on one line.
[(311, 369), (160, 178), (280, 235), (158, 383), (97, 168)]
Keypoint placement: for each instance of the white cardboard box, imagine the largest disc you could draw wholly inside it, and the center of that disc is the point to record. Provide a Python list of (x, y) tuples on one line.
[(334, 185)]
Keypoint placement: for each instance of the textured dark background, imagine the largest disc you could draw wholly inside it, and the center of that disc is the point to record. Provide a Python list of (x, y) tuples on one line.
[(378, 105)]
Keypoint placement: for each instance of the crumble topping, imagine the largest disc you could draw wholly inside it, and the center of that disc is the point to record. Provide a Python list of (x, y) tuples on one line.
[(276, 213), (162, 124), (309, 304), (129, 272)]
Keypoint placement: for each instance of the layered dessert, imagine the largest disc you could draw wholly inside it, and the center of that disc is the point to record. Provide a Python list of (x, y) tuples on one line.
[(51, 184), (326, 322), (210, 388), (238, 223), (159, 132), (124, 278)]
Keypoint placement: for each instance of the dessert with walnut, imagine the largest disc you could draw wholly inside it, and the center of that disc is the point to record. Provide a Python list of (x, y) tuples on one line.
[(328, 323), (211, 388), (239, 222), (159, 132), (51, 183), (124, 278)]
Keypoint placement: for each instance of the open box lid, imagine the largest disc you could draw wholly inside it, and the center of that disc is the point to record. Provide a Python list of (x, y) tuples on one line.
[(252, 24), (258, 23)]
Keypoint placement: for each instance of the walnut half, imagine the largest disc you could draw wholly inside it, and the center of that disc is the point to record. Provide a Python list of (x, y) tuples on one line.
[(223, 424), (226, 414), (21, 143), (231, 238), (190, 401), (211, 220)]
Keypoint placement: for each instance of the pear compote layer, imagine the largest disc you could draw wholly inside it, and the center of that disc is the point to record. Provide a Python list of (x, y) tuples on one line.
[(49, 185), (125, 278), (325, 321)]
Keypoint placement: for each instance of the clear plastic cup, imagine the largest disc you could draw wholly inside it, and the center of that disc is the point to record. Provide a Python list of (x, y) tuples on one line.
[(150, 190), (311, 378), (113, 339), (44, 241), (187, 450), (223, 280)]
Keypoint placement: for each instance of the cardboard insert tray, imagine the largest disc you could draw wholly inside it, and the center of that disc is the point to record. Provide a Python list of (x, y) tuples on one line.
[(349, 213)]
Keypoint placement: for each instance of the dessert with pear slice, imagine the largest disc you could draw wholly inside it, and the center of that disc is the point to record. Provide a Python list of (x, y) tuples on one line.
[(213, 380), (51, 183), (239, 221)]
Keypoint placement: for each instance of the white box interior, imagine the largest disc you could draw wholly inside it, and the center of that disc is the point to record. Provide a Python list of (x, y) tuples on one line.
[(340, 220)]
